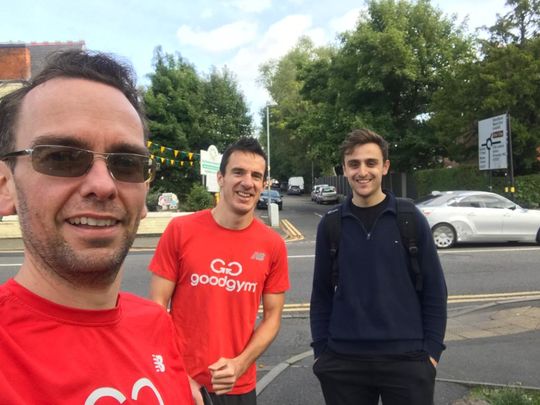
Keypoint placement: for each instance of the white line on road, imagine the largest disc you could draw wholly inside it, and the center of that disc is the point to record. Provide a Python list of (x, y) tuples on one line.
[(10, 264)]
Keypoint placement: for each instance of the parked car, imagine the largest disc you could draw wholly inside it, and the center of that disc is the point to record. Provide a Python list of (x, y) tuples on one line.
[(327, 195), (316, 189), (275, 197), (294, 190), (478, 216)]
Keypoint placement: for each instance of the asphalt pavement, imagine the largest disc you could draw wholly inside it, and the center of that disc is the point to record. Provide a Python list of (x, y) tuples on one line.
[(493, 345)]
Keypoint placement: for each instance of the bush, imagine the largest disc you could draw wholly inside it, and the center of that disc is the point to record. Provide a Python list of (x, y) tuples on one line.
[(152, 199), (470, 178), (198, 199), (508, 396)]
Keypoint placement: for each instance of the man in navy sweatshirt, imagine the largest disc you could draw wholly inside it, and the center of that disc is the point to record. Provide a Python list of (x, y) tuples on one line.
[(374, 335)]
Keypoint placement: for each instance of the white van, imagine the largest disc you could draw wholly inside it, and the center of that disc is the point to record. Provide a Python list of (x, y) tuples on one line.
[(296, 183)]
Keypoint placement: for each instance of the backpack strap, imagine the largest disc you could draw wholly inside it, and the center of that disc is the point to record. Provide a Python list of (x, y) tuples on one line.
[(333, 231), (406, 218)]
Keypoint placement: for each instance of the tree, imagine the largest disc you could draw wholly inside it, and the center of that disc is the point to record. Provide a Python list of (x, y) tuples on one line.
[(294, 139), (227, 116), (504, 78), (188, 112), (389, 67)]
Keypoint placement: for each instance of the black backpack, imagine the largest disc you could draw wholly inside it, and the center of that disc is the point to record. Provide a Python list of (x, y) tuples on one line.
[(407, 228)]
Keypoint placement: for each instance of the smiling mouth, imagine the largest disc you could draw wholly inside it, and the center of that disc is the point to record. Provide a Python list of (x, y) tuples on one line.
[(88, 221), (243, 194)]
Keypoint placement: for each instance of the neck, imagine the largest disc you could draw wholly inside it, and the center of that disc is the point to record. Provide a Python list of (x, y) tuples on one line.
[(230, 220), (369, 201), (51, 287)]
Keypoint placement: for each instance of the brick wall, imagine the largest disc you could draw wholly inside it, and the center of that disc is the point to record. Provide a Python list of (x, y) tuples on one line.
[(15, 63)]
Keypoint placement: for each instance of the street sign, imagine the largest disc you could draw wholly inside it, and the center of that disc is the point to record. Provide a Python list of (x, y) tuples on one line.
[(210, 161), (493, 143)]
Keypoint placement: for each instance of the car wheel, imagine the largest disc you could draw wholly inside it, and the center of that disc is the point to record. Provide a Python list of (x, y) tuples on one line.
[(538, 236), (444, 235)]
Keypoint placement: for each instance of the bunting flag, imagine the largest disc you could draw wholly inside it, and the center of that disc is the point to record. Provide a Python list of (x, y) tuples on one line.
[(178, 154)]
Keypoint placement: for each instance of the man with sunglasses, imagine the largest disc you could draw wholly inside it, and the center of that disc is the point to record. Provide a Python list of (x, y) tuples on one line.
[(74, 167)]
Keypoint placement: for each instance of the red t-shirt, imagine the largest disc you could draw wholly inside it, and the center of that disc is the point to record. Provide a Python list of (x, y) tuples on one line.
[(52, 354), (220, 275)]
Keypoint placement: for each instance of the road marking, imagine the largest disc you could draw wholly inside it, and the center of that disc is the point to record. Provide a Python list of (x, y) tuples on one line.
[(452, 299), (10, 264)]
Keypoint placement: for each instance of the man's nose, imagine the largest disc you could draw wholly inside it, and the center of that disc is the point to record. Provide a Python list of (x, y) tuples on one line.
[(98, 180)]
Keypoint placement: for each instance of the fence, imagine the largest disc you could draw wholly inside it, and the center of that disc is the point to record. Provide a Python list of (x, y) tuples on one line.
[(401, 184)]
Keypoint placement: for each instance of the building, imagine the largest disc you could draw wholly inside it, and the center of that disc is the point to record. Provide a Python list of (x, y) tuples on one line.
[(20, 61)]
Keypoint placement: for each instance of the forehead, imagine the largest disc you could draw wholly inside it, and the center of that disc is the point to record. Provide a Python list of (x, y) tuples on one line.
[(365, 151), (77, 108), (246, 161)]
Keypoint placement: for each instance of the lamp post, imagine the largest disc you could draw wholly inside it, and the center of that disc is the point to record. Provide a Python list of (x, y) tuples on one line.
[(268, 161)]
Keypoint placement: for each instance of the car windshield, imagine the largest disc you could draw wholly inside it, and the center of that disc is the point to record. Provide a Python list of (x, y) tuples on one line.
[(273, 193), (435, 199), (328, 189)]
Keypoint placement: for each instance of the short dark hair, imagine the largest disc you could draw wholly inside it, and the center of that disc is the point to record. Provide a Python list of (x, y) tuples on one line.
[(79, 64), (244, 144), (362, 136)]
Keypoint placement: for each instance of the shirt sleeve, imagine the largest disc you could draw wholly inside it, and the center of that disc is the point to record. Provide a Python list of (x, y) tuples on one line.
[(322, 293), (434, 294), (166, 260), (278, 276)]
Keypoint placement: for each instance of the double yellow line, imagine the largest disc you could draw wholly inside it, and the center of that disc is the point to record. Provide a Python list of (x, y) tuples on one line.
[(452, 299), (290, 230)]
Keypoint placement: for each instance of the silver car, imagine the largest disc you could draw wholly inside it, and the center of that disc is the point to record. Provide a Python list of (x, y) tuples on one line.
[(327, 195), (478, 216)]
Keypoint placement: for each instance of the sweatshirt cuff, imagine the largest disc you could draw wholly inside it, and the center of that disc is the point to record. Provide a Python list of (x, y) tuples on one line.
[(319, 347), (434, 349)]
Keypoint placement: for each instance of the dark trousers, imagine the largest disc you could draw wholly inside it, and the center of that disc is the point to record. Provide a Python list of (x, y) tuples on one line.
[(407, 379), (249, 398)]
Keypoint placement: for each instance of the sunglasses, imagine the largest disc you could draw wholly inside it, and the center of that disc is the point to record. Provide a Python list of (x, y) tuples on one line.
[(66, 161)]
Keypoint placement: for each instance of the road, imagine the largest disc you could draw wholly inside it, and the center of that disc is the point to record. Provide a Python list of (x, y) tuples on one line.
[(475, 275)]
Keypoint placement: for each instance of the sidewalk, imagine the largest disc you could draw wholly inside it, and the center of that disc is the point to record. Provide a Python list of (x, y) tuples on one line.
[(150, 229)]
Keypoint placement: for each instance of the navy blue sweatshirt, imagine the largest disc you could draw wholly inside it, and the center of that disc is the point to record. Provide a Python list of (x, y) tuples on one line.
[(375, 308)]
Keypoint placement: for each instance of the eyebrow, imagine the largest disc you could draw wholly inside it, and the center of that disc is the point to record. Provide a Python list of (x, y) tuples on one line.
[(74, 142)]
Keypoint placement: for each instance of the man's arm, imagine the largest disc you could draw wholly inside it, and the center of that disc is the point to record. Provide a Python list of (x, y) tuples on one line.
[(225, 371), (322, 292), (434, 294), (161, 290)]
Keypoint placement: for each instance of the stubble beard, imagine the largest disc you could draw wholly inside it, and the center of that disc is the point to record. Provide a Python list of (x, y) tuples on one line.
[(53, 255)]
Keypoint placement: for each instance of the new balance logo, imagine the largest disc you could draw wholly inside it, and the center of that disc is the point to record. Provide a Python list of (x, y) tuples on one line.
[(158, 363), (259, 256)]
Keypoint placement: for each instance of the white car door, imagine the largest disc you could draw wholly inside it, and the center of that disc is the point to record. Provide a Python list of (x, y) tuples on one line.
[(486, 222)]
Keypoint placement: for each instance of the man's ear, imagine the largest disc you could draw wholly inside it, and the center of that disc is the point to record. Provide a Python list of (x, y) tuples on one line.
[(386, 167), (220, 179), (7, 191)]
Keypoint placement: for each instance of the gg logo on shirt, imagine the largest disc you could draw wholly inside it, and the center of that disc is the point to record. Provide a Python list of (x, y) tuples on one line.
[(226, 271), (232, 269), (109, 392)]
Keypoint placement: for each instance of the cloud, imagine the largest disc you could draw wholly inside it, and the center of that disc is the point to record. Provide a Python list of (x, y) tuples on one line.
[(224, 38), (346, 22), (251, 6), (279, 38)]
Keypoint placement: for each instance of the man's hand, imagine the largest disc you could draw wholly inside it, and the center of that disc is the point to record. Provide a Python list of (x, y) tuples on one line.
[(433, 361), (224, 373), (195, 391)]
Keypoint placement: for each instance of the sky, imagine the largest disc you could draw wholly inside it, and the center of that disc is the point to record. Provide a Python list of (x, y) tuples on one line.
[(239, 34)]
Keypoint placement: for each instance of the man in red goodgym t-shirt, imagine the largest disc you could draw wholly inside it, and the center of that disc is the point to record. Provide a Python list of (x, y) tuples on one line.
[(214, 266), (75, 168)]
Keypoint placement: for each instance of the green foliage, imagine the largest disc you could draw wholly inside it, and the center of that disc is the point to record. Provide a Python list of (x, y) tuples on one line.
[(507, 396), (152, 199), (528, 190), (189, 112), (382, 75), (470, 178), (504, 78), (198, 199)]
